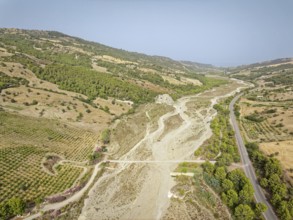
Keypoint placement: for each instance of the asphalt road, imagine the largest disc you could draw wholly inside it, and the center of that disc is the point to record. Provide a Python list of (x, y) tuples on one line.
[(248, 168)]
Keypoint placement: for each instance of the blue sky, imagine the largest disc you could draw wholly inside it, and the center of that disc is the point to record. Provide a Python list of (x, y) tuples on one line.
[(219, 32)]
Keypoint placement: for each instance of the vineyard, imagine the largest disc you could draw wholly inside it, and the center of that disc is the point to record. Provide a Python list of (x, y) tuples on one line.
[(25, 142), (262, 131)]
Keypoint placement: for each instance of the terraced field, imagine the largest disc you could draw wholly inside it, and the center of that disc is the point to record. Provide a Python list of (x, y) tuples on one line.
[(262, 131), (25, 141)]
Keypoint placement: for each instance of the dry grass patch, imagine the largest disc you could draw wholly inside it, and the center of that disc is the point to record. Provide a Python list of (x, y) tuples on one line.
[(116, 107), (173, 81), (191, 81), (283, 151), (40, 103), (4, 53)]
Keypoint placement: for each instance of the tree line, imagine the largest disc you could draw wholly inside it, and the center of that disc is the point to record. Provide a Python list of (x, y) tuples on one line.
[(234, 187), (271, 178)]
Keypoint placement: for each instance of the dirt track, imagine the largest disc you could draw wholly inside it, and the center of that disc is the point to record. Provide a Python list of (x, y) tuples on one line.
[(140, 190)]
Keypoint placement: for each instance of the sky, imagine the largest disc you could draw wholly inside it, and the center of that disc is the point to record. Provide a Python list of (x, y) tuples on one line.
[(218, 32)]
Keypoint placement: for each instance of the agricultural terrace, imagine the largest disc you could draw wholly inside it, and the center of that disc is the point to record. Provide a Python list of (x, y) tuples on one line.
[(266, 121), (25, 142)]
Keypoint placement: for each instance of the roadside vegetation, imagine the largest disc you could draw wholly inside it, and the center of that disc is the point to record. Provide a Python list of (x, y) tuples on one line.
[(232, 185), (271, 178), (265, 115)]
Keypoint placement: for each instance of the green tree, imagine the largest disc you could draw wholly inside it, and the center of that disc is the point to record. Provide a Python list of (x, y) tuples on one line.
[(220, 173), (105, 136), (264, 182), (276, 186), (17, 206), (238, 178), (208, 167), (230, 198), (290, 206), (276, 199), (243, 212), (5, 211), (283, 211), (227, 184), (246, 194), (260, 208), (273, 166), (225, 159)]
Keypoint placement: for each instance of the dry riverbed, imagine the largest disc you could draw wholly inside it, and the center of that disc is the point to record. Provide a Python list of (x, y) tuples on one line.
[(158, 132)]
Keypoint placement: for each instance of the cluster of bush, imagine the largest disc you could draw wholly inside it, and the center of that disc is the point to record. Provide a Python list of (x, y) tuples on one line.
[(8, 81), (235, 189), (11, 208), (255, 118)]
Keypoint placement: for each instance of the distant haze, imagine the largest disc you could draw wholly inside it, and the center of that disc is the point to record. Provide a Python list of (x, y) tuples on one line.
[(219, 32)]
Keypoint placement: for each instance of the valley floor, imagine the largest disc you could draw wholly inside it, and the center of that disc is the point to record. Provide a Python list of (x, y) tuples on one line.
[(164, 135)]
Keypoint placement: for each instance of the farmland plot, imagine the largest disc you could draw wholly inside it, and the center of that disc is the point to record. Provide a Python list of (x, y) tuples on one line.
[(25, 141)]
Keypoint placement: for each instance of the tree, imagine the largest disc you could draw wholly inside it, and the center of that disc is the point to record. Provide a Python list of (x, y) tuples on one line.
[(276, 186), (246, 194), (290, 206), (276, 199), (272, 166), (263, 182), (243, 212), (208, 167), (5, 211), (224, 160), (238, 178), (105, 136), (283, 211), (17, 206), (260, 208), (230, 197), (227, 184), (220, 173)]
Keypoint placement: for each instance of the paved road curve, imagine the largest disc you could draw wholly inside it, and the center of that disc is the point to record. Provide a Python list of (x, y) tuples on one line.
[(248, 168)]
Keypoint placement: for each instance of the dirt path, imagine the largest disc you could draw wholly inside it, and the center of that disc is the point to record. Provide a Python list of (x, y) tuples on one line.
[(138, 188)]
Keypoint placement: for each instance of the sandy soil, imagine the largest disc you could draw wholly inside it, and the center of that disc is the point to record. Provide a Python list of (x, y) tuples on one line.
[(140, 191)]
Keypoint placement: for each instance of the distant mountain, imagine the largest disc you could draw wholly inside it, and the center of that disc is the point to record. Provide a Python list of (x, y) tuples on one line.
[(276, 62)]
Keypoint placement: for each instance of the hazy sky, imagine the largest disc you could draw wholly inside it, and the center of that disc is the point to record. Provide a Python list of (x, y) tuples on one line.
[(220, 32)]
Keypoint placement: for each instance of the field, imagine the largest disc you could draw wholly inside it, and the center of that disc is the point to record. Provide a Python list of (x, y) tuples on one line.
[(275, 117), (25, 142), (266, 113), (283, 151)]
